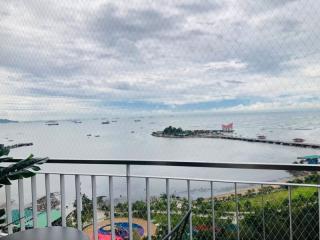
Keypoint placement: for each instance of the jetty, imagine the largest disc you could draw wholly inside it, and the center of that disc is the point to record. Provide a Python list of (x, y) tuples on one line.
[(172, 132), (278, 142), (18, 145)]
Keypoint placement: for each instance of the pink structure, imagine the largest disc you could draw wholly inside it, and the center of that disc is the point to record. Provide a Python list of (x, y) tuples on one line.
[(106, 237), (227, 127)]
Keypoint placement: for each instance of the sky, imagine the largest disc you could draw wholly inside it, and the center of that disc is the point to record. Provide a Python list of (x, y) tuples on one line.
[(72, 59)]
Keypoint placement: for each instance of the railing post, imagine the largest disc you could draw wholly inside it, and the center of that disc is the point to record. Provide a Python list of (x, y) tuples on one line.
[(148, 208), (34, 201), (111, 207), (94, 207), (21, 204), (63, 200), (213, 213), (290, 212), (190, 207), (237, 210), (263, 215), (78, 200), (168, 204), (8, 208), (129, 201), (319, 207), (48, 199)]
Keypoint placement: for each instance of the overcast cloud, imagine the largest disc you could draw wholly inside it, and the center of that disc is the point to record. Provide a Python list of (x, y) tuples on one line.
[(62, 59)]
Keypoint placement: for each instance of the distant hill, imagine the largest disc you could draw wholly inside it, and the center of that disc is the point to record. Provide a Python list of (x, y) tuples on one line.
[(7, 121)]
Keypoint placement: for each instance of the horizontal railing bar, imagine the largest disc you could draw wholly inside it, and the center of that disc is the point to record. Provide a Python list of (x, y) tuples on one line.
[(261, 166), (81, 173), (191, 179)]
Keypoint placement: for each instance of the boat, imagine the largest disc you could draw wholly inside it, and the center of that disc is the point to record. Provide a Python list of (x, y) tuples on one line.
[(310, 159), (105, 122), (77, 121), (97, 136), (298, 140), (261, 137), (137, 120), (52, 123)]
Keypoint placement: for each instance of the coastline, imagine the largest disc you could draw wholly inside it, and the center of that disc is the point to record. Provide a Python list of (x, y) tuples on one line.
[(244, 190)]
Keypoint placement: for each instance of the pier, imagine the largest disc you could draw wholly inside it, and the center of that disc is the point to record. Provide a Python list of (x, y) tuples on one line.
[(278, 142), (19, 145), (179, 133)]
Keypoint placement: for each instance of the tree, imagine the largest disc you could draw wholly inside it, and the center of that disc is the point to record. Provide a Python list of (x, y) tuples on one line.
[(86, 213), (18, 170)]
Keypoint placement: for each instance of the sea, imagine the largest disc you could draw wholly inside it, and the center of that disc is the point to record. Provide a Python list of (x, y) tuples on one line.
[(129, 137)]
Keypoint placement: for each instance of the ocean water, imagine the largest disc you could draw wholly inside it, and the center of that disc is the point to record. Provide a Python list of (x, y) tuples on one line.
[(128, 139)]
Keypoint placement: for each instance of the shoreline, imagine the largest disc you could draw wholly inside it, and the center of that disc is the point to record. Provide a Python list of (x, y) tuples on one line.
[(255, 187)]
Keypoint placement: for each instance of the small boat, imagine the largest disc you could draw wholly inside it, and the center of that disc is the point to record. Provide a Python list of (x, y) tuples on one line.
[(89, 135), (137, 120), (97, 136), (261, 137), (52, 123), (105, 122), (77, 121), (132, 131), (298, 140)]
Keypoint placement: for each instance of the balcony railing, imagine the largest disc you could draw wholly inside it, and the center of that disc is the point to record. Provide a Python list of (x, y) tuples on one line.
[(272, 210)]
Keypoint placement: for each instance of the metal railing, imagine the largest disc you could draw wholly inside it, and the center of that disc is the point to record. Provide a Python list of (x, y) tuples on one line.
[(219, 214)]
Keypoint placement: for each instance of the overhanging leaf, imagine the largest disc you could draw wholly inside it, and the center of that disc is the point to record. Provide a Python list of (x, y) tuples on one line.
[(2, 212), (15, 176), (19, 169), (36, 168), (27, 174), (5, 181), (5, 159)]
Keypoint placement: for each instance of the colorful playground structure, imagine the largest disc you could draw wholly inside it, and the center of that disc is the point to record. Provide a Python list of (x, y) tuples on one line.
[(121, 231)]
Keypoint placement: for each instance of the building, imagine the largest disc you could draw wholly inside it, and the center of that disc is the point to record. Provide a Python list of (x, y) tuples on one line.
[(227, 127)]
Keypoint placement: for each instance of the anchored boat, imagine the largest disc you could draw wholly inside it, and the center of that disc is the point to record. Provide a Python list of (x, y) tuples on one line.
[(52, 123), (261, 137)]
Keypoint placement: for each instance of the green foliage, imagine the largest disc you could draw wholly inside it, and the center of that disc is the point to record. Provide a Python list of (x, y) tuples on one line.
[(174, 131), (139, 209), (86, 213), (18, 170)]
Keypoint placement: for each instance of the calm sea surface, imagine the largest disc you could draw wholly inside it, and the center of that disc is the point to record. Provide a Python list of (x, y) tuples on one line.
[(127, 139)]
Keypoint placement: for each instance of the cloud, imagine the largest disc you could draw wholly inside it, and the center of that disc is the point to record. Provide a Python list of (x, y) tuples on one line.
[(200, 7), (123, 31), (312, 71), (226, 65), (108, 56)]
